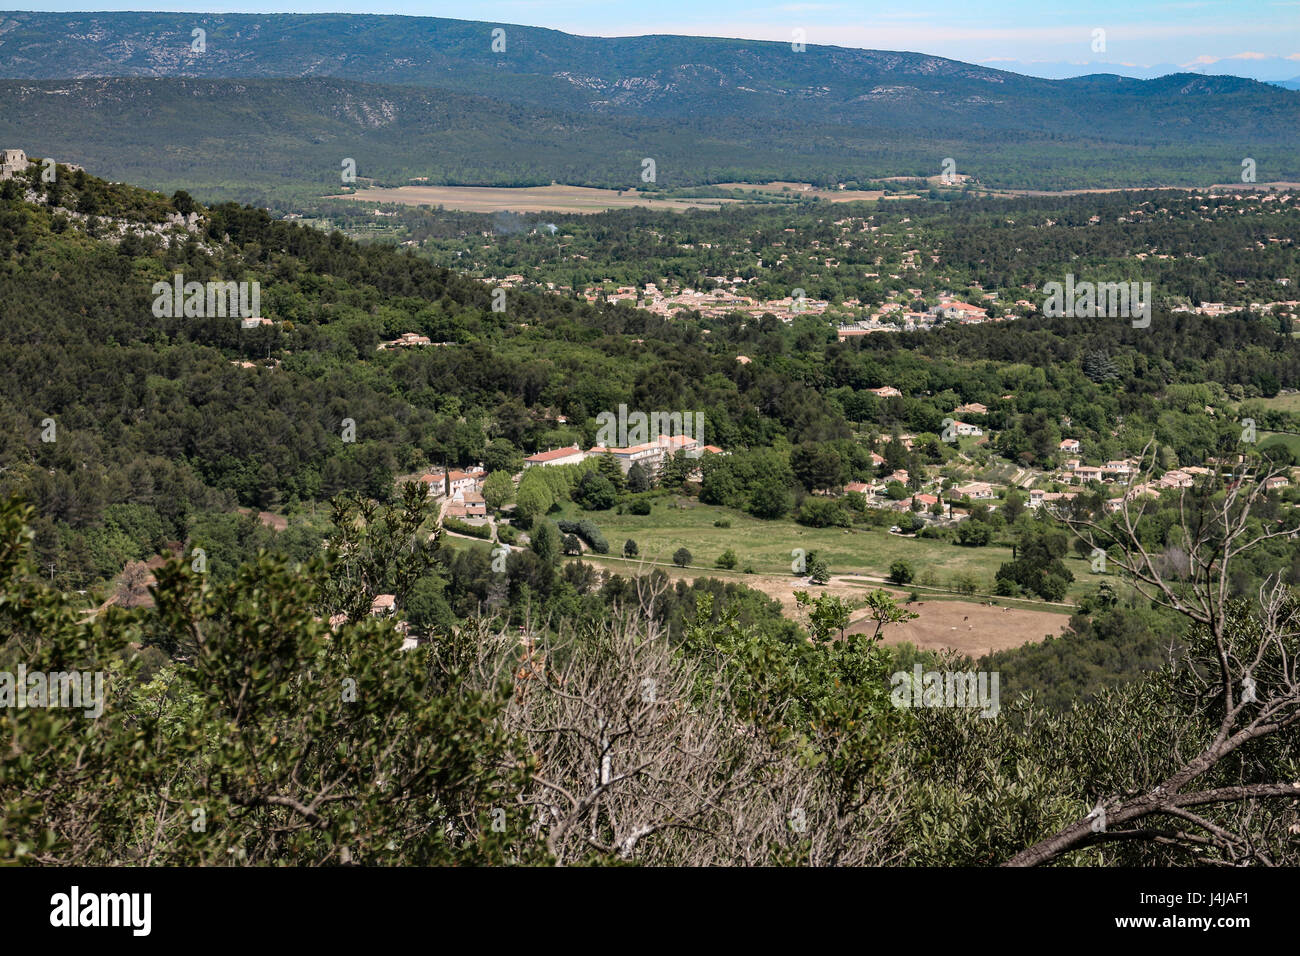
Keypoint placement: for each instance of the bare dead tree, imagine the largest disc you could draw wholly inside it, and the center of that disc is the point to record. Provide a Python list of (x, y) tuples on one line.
[(641, 755)]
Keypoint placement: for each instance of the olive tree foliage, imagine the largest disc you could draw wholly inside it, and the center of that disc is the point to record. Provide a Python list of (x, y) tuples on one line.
[(271, 740), (376, 549), (273, 737)]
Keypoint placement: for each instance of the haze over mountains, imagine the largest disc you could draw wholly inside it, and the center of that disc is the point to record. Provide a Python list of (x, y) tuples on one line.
[(1281, 71), (276, 101)]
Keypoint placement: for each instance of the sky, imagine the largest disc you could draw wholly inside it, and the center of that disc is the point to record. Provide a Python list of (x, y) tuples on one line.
[(1049, 37)]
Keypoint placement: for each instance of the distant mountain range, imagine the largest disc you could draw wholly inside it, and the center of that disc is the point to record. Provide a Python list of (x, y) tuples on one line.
[(276, 101), (1280, 71)]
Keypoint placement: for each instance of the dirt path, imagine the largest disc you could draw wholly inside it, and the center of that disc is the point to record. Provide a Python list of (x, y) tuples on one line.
[(970, 627), (974, 627)]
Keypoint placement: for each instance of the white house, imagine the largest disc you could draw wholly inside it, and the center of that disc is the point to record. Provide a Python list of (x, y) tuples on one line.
[(559, 456), (975, 490)]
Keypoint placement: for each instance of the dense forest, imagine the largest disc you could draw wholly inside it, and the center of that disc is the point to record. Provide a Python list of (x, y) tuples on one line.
[(135, 437)]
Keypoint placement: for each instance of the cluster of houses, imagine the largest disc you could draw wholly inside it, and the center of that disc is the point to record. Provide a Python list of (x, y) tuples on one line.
[(649, 455), (1179, 478), (891, 316), (410, 340), (712, 304), (1074, 472), (463, 489), (895, 317), (1224, 308)]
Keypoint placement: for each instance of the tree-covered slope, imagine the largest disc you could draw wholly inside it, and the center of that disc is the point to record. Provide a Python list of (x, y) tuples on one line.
[(584, 110)]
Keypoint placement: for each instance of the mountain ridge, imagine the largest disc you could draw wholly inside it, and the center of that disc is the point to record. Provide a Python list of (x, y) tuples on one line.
[(586, 111)]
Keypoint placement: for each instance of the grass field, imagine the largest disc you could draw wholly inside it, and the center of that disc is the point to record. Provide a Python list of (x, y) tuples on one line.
[(972, 625), (575, 199), (1270, 439), (1283, 401), (788, 189), (766, 546)]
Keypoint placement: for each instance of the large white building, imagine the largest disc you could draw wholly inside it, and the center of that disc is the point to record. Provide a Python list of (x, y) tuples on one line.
[(558, 456)]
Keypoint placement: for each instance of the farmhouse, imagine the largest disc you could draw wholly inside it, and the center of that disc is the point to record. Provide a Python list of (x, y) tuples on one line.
[(454, 484), (650, 456), (468, 504), (961, 311), (559, 456), (406, 340), (975, 490)]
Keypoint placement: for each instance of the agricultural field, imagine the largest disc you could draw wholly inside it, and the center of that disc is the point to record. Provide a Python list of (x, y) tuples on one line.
[(807, 190), (554, 198), (767, 546), (1284, 401), (943, 621)]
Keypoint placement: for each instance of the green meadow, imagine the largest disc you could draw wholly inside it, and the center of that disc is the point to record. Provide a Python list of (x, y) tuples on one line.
[(767, 546)]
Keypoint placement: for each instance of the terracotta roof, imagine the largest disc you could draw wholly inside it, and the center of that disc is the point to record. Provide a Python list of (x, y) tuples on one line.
[(542, 456)]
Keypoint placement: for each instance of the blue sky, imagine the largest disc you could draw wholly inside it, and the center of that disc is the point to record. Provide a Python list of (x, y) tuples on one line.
[(1260, 34)]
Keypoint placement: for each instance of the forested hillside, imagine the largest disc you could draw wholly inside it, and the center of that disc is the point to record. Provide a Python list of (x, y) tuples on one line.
[(254, 685), (423, 97)]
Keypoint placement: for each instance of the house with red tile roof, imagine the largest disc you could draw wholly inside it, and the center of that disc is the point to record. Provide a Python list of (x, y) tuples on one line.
[(556, 456)]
